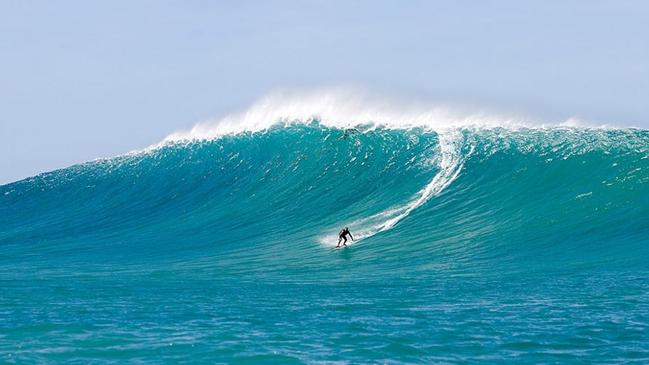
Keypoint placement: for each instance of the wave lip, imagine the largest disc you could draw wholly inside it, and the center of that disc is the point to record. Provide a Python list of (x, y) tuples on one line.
[(349, 108)]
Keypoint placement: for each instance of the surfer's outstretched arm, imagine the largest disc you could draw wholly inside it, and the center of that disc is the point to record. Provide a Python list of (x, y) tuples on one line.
[(350, 235)]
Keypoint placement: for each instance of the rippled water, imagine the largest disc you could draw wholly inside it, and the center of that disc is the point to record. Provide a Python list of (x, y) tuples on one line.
[(481, 246)]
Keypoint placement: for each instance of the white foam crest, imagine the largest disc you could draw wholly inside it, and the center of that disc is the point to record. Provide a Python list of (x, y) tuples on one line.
[(450, 164), (344, 108)]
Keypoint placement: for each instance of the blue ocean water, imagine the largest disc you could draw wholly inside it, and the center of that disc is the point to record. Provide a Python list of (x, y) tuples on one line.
[(487, 245)]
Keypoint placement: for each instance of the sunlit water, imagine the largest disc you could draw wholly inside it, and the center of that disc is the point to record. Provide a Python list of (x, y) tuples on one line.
[(490, 245)]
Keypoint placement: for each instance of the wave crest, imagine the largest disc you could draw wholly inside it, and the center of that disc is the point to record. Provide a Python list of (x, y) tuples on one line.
[(350, 108)]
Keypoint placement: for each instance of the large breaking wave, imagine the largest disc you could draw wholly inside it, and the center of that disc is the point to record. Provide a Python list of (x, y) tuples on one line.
[(479, 239), (418, 183)]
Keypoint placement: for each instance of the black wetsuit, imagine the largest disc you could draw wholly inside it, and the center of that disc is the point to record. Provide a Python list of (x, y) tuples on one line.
[(343, 235)]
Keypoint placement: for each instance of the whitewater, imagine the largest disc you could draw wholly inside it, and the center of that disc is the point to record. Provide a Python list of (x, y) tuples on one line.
[(481, 238)]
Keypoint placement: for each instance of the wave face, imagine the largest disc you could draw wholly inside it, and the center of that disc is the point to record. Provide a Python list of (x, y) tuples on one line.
[(472, 244)]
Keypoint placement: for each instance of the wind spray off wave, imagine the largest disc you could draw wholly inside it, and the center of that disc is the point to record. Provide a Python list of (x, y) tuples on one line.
[(345, 108)]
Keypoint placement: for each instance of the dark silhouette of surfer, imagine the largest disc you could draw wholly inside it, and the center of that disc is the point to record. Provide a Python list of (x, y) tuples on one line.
[(343, 236)]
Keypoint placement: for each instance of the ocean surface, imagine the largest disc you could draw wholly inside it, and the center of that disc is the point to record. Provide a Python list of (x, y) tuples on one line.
[(473, 245)]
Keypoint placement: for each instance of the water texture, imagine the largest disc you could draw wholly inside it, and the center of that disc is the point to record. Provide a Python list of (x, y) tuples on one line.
[(478, 245)]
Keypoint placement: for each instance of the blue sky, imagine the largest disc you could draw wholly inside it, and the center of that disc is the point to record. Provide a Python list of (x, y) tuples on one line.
[(87, 79)]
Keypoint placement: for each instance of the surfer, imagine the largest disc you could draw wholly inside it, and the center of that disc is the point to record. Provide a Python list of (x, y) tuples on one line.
[(343, 236)]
